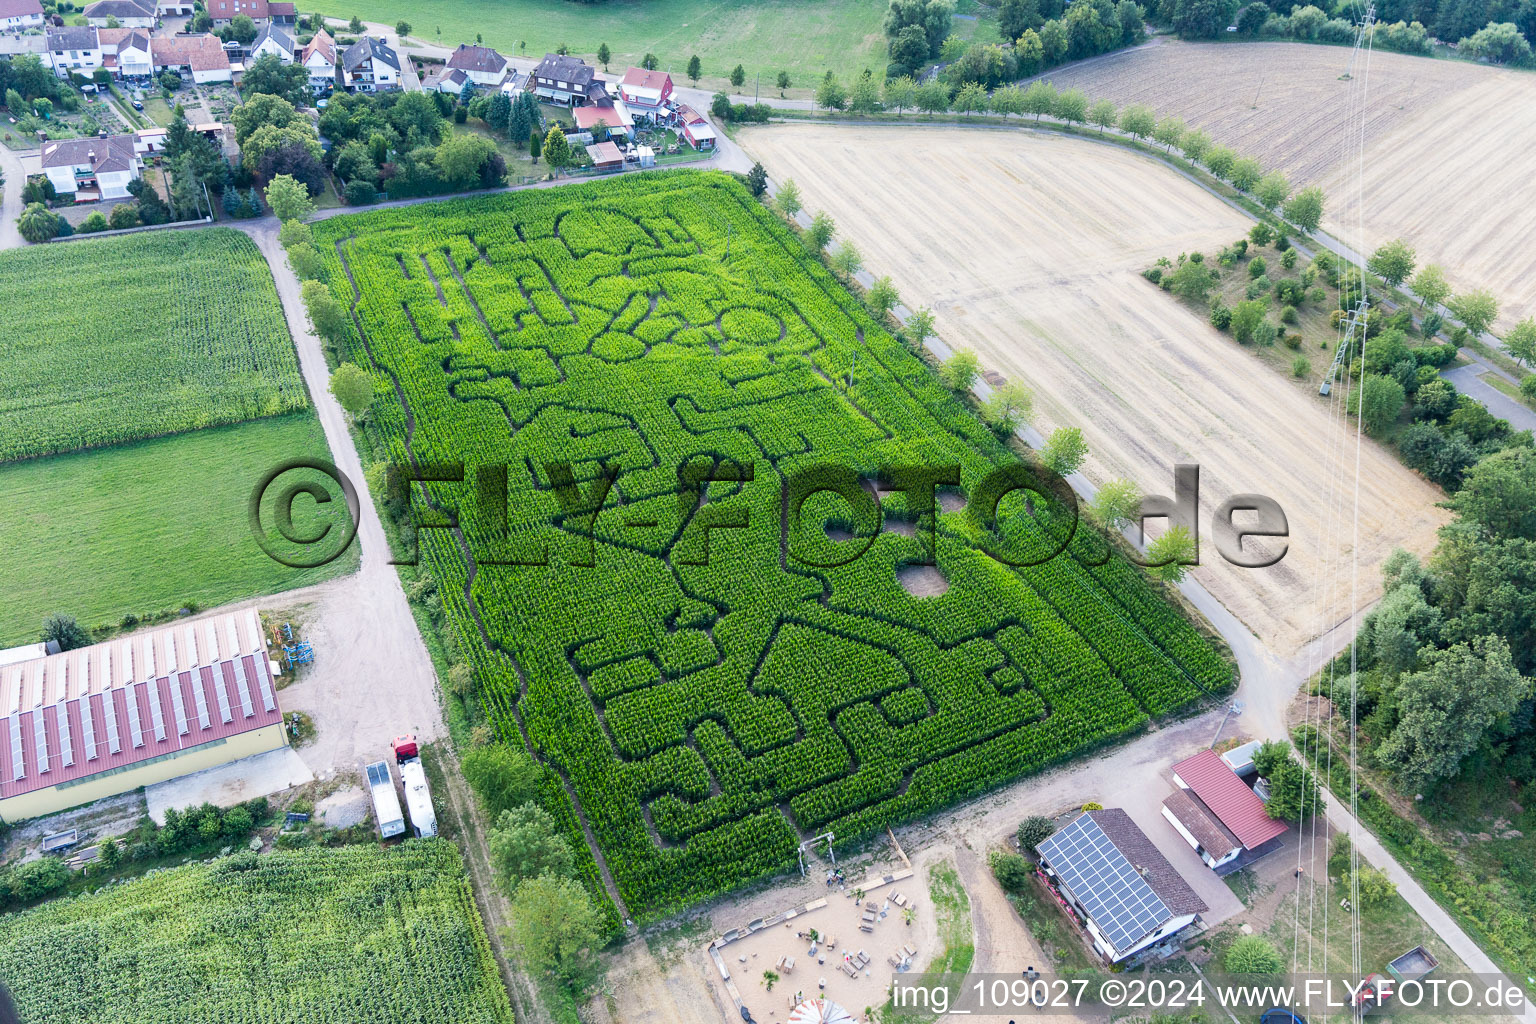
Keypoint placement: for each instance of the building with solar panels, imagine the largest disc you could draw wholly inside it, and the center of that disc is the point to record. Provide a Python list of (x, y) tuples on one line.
[(1129, 898), (109, 718)]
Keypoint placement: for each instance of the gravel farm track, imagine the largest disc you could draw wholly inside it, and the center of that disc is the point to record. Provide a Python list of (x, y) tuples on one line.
[(1028, 249), (1429, 176)]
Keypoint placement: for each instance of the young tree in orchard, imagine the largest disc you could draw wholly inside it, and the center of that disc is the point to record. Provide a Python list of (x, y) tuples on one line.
[(932, 98), (1377, 400), (1072, 106), (1192, 280), (1445, 709), (1521, 341), (1103, 114), (788, 198), (920, 326), (554, 924), (695, 69), (1219, 161), (960, 370), (1009, 407), (1169, 131), (1477, 309), (1117, 505), (1171, 555), (846, 261), (604, 55), (783, 82), (1039, 99), (353, 388), (1272, 190), (738, 76), (898, 93), (1305, 208), (881, 298), (288, 199), (864, 95), (820, 231), (1064, 451), (1430, 285), (1138, 121), (1393, 262)]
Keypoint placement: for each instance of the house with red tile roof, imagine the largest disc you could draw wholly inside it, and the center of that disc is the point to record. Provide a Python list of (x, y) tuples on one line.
[(1218, 815), (647, 93), (201, 58), (319, 59)]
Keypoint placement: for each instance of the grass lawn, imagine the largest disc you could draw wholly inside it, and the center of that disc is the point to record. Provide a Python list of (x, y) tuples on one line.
[(157, 110), (150, 526), (518, 164), (766, 36)]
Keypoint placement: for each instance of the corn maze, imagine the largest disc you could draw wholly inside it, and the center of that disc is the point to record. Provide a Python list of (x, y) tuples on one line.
[(717, 669), (353, 935), (117, 339)]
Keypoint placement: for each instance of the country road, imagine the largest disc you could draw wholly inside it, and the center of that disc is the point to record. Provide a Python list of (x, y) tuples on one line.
[(14, 180)]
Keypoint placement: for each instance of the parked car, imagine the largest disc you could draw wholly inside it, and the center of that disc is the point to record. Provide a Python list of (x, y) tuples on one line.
[(138, 105)]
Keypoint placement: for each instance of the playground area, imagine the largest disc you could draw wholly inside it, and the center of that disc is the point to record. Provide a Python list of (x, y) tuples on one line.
[(845, 947)]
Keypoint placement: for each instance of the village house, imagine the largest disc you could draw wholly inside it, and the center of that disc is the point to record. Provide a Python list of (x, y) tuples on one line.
[(445, 79), (20, 15), (648, 94), (125, 52), (126, 13), (568, 81), (696, 131), (368, 65), (480, 64), (200, 58), (274, 41), (319, 59), (73, 48), (92, 169), (176, 8), (279, 13)]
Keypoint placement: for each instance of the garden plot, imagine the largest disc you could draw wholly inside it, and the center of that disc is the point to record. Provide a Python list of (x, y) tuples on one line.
[(1028, 249), (1445, 142)]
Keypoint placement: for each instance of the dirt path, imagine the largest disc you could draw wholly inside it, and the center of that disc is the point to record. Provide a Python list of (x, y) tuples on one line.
[(15, 180)]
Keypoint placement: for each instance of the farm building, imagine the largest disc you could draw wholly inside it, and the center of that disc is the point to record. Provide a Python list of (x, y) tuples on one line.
[(1218, 815), (92, 169), (1111, 876), (17, 15), (568, 81), (648, 93), (616, 117), (480, 64), (698, 132), (99, 720), (129, 13)]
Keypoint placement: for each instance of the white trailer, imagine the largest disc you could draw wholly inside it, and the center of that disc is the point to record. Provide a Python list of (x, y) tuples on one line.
[(418, 798), (386, 804)]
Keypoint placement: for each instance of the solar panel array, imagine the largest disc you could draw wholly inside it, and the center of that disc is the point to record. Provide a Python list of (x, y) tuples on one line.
[(1112, 892)]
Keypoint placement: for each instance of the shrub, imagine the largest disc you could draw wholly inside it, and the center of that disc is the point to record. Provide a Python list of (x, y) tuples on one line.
[(1037, 828), (1300, 366), (94, 223), (1288, 315), (360, 193), (1528, 389), (1221, 315), (1257, 266), (1252, 954), (1431, 324), (1153, 274), (1011, 870)]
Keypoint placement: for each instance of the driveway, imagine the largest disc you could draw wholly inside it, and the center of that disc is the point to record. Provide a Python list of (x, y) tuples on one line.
[(15, 179)]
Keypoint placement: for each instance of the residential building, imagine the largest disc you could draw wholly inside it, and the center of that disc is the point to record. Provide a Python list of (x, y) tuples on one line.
[(92, 169), (368, 65), (319, 59), (483, 65), (1215, 812), (107, 719), (224, 11), (445, 79), (616, 117), (1129, 898), (647, 93), (20, 15), (198, 57), (73, 48), (127, 13), (568, 81), (696, 131), (274, 41), (176, 8), (125, 52)]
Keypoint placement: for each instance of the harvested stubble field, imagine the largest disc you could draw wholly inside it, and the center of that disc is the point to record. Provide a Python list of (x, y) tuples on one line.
[(1445, 142), (711, 679), (1029, 248)]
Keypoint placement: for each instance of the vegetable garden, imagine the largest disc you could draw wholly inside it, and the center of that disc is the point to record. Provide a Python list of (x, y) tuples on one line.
[(709, 695), (118, 339), (355, 934)]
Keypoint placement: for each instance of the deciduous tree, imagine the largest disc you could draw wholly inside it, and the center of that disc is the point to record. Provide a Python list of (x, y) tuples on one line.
[(525, 843), (554, 923), (788, 198), (1103, 114), (1477, 309), (353, 388), (960, 370), (1171, 554), (288, 199), (1169, 131), (1064, 451), (820, 231), (1117, 504), (1430, 285), (1305, 208), (881, 298), (1393, 262), (1009, 407)]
